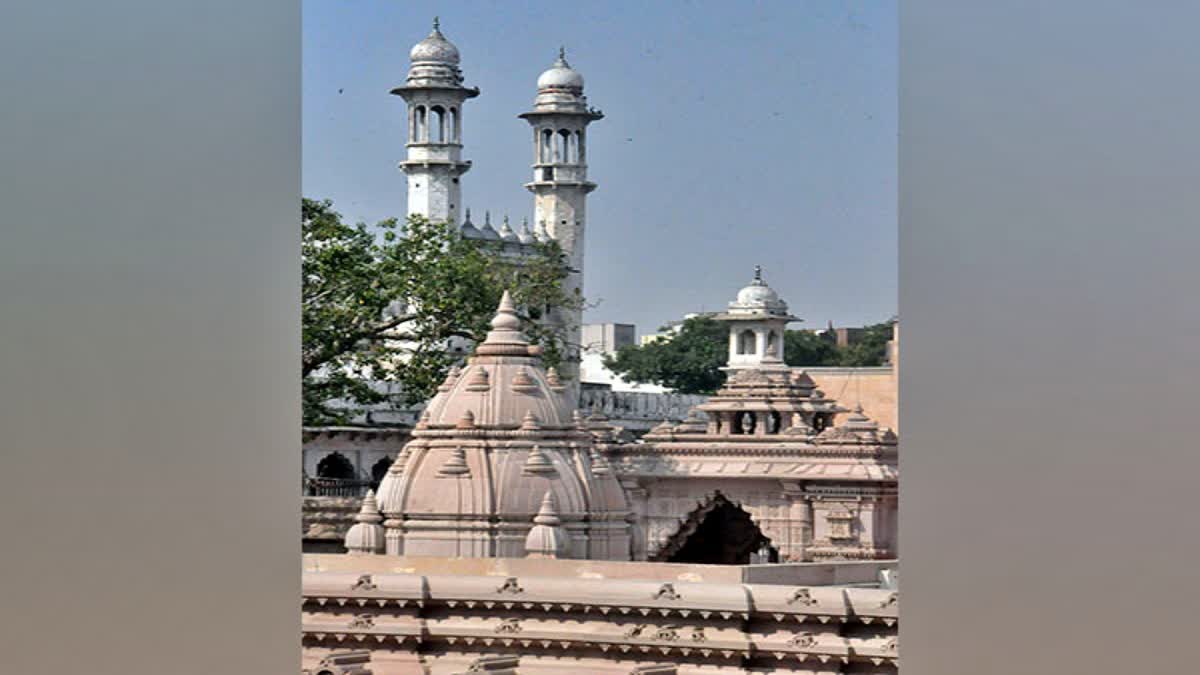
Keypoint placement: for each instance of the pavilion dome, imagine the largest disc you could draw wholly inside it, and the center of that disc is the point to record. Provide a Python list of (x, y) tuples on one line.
[(561, 75), (435, 48), (758, 297)]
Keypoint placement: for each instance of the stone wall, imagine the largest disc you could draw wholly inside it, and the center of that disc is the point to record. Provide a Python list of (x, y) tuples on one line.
[(875, 388), (554, 616)]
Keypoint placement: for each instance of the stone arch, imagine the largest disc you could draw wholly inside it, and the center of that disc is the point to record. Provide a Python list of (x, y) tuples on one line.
[(439, 120), (455, 134), (379, 470), (772, 344), (547, 146), (419, 125), (336, 465), (718, 532), (746, 342), (562, 149)]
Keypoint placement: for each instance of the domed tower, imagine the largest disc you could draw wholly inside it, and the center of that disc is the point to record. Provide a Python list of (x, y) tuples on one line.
[(560, 186), (435, 94), (757, 320), (500, 442)]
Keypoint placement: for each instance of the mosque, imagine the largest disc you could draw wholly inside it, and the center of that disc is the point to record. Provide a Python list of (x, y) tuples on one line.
[(512, 533)]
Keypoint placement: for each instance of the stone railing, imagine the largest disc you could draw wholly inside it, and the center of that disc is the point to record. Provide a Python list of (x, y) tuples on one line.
[(637, 408)]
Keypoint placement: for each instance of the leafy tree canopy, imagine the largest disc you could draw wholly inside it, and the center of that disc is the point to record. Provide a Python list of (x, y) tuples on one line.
[(690, 361), (382, 304)]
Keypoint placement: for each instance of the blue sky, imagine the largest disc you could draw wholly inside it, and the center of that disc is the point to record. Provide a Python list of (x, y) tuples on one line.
[(735, 134)]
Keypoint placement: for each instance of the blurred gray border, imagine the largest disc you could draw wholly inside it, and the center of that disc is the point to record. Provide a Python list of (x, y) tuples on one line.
[(1049, 163), (149, 325)]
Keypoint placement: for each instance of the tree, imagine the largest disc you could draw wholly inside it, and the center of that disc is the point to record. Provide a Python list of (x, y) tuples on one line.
[(805, 348), (381, 305), (870, 349), (688, 362)]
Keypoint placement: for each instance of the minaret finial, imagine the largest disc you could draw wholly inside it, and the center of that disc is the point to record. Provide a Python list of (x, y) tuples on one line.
[(562, 53), (437, 25), (758, 274), (487, 217)]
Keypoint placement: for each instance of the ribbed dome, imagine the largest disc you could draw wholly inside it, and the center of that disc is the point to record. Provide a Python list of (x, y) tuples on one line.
[(435, 49), (502, 383), (496, 439), (561, 75)]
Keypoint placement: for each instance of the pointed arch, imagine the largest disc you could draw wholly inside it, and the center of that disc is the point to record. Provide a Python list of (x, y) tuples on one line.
[(336, 465), (716, 532)]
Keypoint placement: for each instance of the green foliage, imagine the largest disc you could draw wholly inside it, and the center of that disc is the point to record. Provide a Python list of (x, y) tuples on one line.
[(381, 305), (804, 348), (690, 362), (871, 348)]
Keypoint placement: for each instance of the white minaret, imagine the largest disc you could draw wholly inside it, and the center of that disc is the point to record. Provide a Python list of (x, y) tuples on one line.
[(757, 320), (559, 118), (435, 93)]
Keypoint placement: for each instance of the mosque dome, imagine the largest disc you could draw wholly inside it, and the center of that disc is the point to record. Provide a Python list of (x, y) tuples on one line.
[(561, 75), (435, 49)]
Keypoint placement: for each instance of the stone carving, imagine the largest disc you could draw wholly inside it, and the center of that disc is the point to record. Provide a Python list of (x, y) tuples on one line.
[(362, 621), (803, 597), (890, 600), (669, 633), (698, 634), (364, 583), (510, 585), (892, 645), (511, 625), (667, 592), (802, 640), (636, 631)]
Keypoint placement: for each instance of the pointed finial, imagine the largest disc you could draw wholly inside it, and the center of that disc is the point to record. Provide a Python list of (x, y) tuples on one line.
[(467, 218), (562, 53), (506, 219), (487, 217), (548, 513), (506, 315), (758, 274), (437, 25)]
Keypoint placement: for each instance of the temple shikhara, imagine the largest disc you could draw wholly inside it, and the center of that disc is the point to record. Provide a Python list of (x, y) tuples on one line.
[(508, 531)]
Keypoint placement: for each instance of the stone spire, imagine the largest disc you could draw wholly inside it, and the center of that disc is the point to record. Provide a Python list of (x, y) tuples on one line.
[(546, 539), (366, 535)]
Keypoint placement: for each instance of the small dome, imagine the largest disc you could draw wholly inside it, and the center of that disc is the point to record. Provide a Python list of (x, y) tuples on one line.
[(561, 75), (758, 297), (435, 49)]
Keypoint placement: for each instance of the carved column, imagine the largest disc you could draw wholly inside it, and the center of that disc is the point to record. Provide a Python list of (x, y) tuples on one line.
[(799, 523), (637, 496)]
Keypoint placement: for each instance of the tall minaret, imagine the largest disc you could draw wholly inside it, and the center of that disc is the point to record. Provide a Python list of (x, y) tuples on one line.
[(435, 93), (560, 186)]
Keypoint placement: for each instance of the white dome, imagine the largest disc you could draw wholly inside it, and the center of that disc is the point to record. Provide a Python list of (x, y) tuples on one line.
[(757, 294), (561, 76), (435, 49)]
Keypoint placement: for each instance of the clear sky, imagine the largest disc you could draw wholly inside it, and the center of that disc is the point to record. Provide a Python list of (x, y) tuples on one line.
[(736, 134)]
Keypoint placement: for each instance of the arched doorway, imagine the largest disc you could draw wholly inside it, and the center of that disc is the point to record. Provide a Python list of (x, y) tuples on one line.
[(718, 533), (379, 470), (335, 465)]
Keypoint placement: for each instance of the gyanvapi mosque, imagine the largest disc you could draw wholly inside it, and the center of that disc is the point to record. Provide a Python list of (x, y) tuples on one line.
[(510, 533)]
